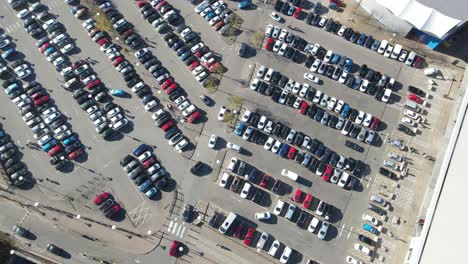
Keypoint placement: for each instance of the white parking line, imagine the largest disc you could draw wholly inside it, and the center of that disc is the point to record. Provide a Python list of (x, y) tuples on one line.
[(368, 183), (175, 226), (342, 228), (182, 233), (349, 232), (178, 230), (170, 226)]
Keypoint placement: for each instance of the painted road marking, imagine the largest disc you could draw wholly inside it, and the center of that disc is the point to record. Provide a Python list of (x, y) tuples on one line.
[(175, 226), (350, 230), (170, 226), (342, 228)]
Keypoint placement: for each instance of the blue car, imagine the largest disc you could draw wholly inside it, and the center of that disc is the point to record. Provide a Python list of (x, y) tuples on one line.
[(118, 92), (349, 63), (336, 58), (145, 185), (49, 51), (244, 4), (185, 55), (8, 53), (140, 149), (284, 150), (318, 115), (342, 62), (345, 111), (239, 128), (49, 145), (357, 83), (177, 45), (291, 10), (317, 8), (210, 16), (12, 88), (69, 140), (2, 133), (320, 150), (361, 39), (369, 228), (151, 192)]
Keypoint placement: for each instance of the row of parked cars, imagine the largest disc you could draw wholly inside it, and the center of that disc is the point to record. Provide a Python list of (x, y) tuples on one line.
[(332, 65), (10, 160), (383, 47), (107, 204), (327, 110), (145, 171), (216, 13)]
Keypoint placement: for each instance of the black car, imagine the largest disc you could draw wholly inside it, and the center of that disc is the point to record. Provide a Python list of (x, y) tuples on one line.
[(315, 21), (354, 132), (197, 167), (358, 168), (366, 240), (214, 219), (369, 42), (298, 138), (299, 157), (355, 36), (350, 81), (291, 99), (258, 196), (354, 146), (333, 121), (187, 213), (406, 130), (285, 8), (297, 55), (276, 77), (329, 71), (312, 111), (289, 52), (302, 219), (348, 33), (277, 187), (55, 250), (284, 80), (243, 50), (387, 173), (310, 93), (374, 208), (416, 91), (353, 113), (314, 165), (328, 25), (309, 18), (106, 204)]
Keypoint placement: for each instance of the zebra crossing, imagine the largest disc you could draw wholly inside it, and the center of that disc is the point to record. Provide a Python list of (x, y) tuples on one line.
[(11, 27), (175, 228)]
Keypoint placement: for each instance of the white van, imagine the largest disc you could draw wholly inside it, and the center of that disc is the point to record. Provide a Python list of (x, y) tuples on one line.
[(410, 59), (291, 175), (227, 223), (382, 47), (396, 51), (343, 180)]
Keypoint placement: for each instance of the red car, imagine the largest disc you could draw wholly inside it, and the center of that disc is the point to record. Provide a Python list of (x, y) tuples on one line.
[(78, 64), (141, 4), (269, 44), (248, 238), (101, 198), (167, 126), (337, 2), (112, 211), (93, 84), (75, 154), (193, 65), (374, 123), (307, 200), (127, 34), (215, 66), (298, 195), (218, 25), (41, 100), (38, 95), (297, 13), (327, 173), (166, 84), (117, 61), (239, 231), (194, 117), (171, 88), (44, 47), (174, 248), (292, 153), (102, 41), (149, 162), (199, 53), (265, 179), (418, 62), (53, 151), (158, 6), (303, 108), (415, 98)]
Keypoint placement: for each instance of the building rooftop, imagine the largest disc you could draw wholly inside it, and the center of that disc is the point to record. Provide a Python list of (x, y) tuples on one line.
[(457, 9)]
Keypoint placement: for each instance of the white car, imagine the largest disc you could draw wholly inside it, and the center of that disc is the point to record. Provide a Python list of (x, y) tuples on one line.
[(311, 77), (411, 114), (221, 113), (352, 260), (268, 30), (212, 141), (277, 46), (317, 97), (275, 17), (315, 49), (343, 77), (313, 224), (303, 91), (370, 219), (268, 75), (261, 71), (386, 95), (297, 103), (268, 127), (245, 190), (323, 230), (254, 84), (328, 56), (360, 117), (151, 105), (185, 32), (283, 97), (323, 21), (23, 13), (315, 65), (335, 177), (286, 254), (214, 20), (282, 50), (276, 32), (276, 146), (197, 70), (247, 133), (274, 248), (278, 208), (296, 88), (224, 180), (408, 121), (331, 104), (362, 248), (269, 143), (364, 86), (246, 116), (119, 124), (181, 145), (233, 146), (388, 51), (263, 216), (341, 31), (367, 120), (283, 35), (339, 106), (378, 200), (382, 47)]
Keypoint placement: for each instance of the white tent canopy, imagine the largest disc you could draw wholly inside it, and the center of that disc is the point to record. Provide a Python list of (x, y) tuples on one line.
[(420, 16)]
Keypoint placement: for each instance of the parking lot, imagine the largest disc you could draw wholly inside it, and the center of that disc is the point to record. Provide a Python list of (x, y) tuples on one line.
[(98, 170)]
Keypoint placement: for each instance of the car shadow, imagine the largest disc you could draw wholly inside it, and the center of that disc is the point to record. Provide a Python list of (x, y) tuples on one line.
[(128, 128), (304, 181), (332, 233), (171, 186)]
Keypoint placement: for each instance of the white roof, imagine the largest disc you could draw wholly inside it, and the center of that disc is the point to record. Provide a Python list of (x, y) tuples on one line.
[(420, 16)]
